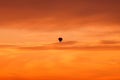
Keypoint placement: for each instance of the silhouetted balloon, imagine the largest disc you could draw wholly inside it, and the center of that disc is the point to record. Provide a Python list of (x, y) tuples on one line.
[(60, 39)]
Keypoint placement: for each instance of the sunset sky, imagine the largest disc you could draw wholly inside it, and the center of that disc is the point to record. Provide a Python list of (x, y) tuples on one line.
[(29, 49)]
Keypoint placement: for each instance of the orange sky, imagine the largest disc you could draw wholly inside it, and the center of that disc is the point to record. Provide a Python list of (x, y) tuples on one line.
[(29, 48)]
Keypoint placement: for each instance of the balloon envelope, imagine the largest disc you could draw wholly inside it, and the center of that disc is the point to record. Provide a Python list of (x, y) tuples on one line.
[(60, 39)]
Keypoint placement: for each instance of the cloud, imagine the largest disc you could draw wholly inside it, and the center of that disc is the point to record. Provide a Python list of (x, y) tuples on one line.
[(53, 46), (71, 48), (7, 46), (109, 42), (57, 15), (69, 45)]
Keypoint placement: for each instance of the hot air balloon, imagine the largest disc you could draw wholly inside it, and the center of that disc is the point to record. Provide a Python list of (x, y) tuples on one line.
[(60, 39)]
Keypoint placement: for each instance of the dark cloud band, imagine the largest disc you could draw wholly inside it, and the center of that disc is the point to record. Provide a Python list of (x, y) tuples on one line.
[(58, 14)]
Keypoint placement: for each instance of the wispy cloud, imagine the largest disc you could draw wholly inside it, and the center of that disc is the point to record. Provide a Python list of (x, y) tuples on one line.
[(7, 46), (70, 45), (110, 42), (74, 45)]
